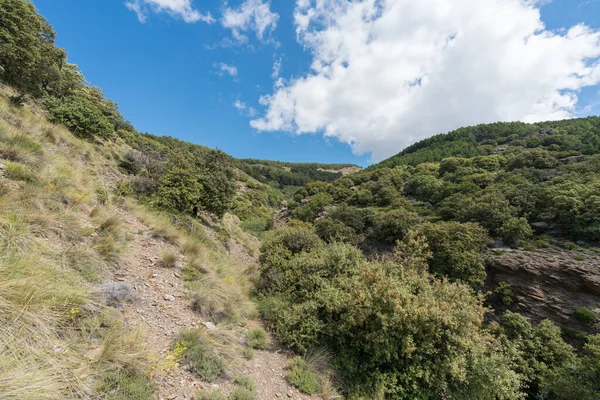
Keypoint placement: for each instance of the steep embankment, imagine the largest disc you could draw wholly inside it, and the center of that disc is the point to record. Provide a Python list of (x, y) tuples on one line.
[(97, 290), (549, 283)]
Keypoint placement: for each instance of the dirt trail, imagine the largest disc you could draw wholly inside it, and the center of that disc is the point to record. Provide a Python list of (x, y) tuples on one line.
[(160, 311)]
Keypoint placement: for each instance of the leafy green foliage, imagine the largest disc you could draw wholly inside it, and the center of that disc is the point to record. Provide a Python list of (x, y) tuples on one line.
[(316, 205), (80, 114), (300, 376), (331, 230), (291, 174), (549, 365), (28, 57), (256, 338), (392, 226), (515, 230), (456, 249), (382, 319)]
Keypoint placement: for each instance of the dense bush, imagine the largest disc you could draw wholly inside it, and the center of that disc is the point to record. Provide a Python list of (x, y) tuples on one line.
[(392, 226), (80, 114), (515, 230), (356, 218), (456, 249), (548, 364), (314, 207), (331, 230), (390, 325)]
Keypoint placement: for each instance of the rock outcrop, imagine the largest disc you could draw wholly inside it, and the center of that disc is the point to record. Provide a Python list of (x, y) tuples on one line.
[(549, 283)]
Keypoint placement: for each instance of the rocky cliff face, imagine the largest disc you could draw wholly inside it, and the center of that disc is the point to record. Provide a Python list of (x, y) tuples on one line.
[(549, 284)]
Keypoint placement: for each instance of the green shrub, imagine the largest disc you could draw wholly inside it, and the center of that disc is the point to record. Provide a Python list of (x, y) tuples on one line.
[(300, 376), (256, 338), (515, 230), (331, 230), (244, 389), (82, 115), (356, 218), (249, 353), (382, 319), (585, 315), (211, 395), (125, 383), (393, 225), (504, 293), (456, 249), (199, 355)]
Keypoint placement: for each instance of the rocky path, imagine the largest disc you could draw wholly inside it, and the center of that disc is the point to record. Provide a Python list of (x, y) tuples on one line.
[(159, 310)]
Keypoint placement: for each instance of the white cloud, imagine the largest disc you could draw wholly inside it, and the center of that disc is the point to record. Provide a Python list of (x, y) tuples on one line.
[(251, 15), (244, 109), (228, 69), (276, 68), (387, 73), (176, 8)]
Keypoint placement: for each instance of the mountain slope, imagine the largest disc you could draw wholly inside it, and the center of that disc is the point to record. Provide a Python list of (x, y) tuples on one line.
[(576, 135), (98, 289), (510, 211)]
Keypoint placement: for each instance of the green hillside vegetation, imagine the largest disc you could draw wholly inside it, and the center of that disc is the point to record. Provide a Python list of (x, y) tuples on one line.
[(425, 218), (282, 174), (379, 273)]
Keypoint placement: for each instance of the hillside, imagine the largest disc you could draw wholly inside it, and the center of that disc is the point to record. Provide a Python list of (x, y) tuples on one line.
[(102, 293), (125, 269), (579, 136), (287, 175), (138, 266), (509, 210)]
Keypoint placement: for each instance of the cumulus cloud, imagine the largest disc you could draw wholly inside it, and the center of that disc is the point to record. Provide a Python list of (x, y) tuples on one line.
[(386, 74), (231, 70), (251, 15), (244, 109), (176, 8)]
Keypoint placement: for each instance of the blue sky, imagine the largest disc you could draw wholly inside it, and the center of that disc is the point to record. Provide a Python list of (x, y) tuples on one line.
[(176, 74)]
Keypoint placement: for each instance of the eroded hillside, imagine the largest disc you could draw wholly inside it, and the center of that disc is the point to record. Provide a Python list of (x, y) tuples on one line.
[(104, 298)]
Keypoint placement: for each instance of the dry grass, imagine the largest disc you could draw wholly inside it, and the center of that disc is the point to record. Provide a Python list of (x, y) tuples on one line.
[(191, 247), (55, 340), (58, 232), (168, 258), (160, 223)]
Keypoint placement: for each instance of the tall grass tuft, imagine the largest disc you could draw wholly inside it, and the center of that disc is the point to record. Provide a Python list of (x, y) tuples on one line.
[(168, 258)]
